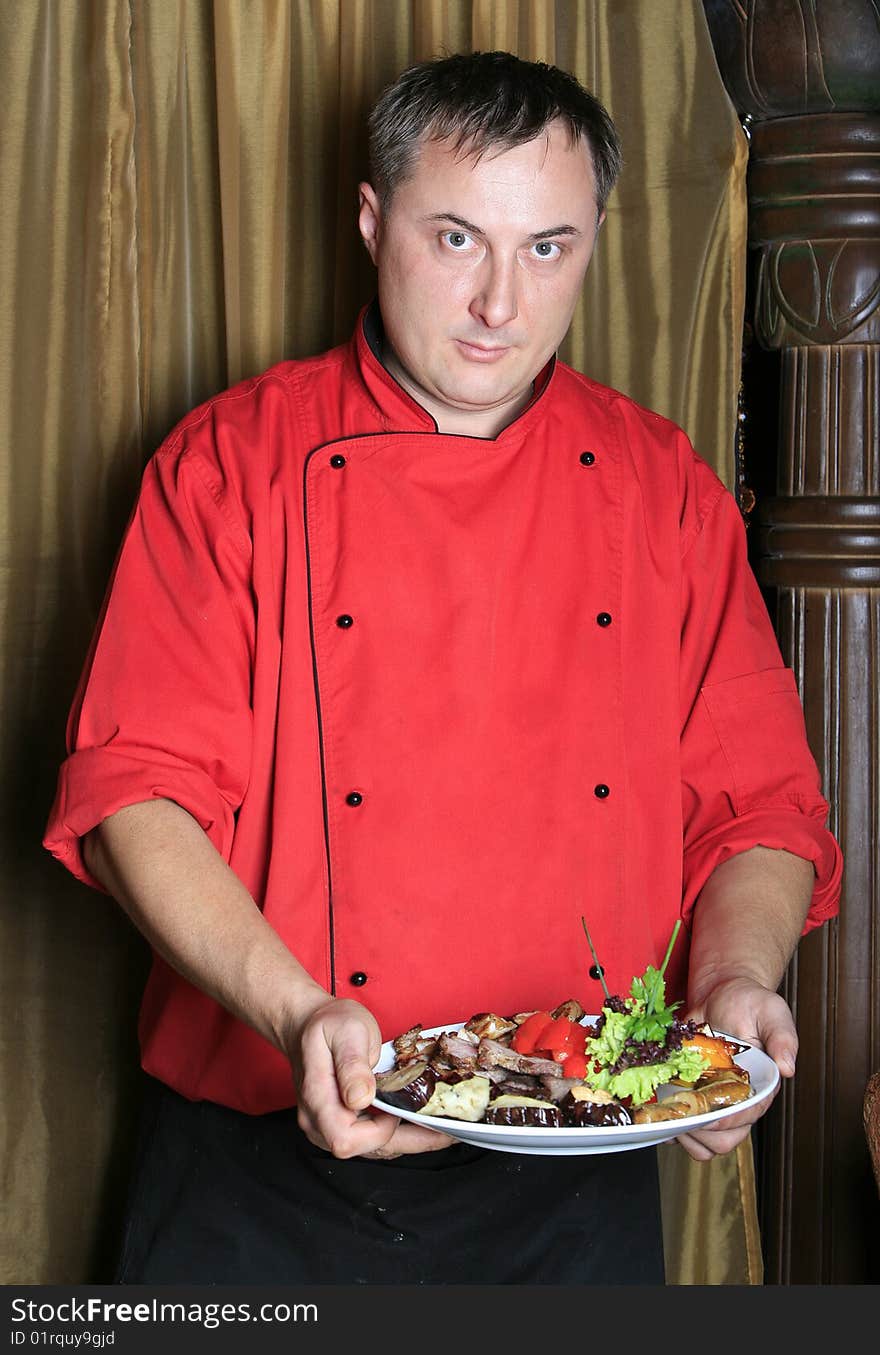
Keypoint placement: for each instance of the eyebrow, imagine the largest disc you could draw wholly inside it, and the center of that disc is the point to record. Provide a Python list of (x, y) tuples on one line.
[(476, 230)]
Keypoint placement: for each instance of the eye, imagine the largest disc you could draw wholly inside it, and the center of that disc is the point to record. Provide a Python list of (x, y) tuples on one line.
[(546, 249), (456, 239)]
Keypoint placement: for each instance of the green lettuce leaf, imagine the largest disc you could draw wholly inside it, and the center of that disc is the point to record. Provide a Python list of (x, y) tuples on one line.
[(607, 1047), (641, 1083)]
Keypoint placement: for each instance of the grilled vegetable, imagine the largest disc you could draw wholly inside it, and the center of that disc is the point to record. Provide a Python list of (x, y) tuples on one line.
[(517, 1111), (672, 1108), (720, 1092), (409, 1087), (581, 1113), (466, 1099), (717, 1051), (525, 1038)]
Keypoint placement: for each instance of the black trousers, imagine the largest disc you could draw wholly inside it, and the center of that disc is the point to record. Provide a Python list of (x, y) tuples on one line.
[(219, 1197)]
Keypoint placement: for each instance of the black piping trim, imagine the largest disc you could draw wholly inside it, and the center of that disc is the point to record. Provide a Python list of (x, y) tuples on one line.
[(467, 437), (432, 432), (324, 803)]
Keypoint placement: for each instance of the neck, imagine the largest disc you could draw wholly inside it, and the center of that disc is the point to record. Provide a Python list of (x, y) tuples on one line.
[(471, 423)]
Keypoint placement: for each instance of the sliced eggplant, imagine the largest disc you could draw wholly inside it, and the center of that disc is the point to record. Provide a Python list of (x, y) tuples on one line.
[(409, 1087), (571, 1010), (520, 1111), (591, 1112), (463, 1099)]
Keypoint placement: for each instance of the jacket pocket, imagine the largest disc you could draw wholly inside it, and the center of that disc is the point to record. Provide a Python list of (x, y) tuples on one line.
[(759, 723)]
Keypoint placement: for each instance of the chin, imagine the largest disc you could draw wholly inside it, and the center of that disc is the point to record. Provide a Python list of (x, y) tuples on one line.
[(484, 387)]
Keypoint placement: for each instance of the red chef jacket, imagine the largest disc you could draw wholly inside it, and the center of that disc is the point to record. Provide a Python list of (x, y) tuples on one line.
[(436, 697)]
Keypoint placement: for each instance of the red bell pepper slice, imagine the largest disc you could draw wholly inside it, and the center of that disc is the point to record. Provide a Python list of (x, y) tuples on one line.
[(561, 1038), (556, 1038), (575, 1066), (525, 1036)]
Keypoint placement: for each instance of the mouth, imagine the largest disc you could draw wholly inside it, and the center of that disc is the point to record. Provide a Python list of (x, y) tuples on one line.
[(477, 352)]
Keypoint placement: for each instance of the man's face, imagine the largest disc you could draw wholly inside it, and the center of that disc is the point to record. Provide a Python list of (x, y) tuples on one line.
[(480, 266)]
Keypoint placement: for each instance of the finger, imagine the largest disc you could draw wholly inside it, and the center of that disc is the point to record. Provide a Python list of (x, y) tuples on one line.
[(345, 1134), (782, 1048), (337, 1066), (354, 1077), (698, 1151), (703, 1146), (353, 1059), (410, 1138), (372, 1134)]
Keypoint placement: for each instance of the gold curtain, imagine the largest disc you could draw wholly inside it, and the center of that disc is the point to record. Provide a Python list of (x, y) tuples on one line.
[(178, 187)]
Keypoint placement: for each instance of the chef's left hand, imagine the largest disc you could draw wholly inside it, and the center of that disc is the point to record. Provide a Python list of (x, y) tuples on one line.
[(743, 1008)]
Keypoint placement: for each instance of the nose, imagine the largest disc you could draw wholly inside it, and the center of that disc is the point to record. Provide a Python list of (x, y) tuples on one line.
[(495, 300)]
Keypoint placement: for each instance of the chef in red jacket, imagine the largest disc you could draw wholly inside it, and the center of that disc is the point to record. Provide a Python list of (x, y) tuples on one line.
[(414, 653)]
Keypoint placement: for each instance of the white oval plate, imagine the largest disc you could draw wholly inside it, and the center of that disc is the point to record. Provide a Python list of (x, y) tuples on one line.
[(762, 1071)]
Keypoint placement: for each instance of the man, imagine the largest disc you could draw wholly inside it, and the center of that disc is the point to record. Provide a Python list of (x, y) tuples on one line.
[(415, 653)]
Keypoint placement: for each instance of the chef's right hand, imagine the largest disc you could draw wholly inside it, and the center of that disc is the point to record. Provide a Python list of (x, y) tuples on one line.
[(332, 1056)]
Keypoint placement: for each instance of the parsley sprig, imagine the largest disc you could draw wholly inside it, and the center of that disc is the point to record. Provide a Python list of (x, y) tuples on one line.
[(651, 1017)]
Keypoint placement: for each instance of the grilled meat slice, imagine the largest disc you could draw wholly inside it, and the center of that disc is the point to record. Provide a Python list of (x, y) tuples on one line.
[(488, 1026), (413, 1045), (455, 1051), (554, 1088), (518, 1084), (492, 1053)]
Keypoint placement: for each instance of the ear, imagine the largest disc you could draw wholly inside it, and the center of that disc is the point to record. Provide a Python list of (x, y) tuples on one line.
[(601, 218), (369, 218)]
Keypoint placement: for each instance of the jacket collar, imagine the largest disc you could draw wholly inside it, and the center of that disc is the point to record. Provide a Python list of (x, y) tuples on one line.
[(397, 410)]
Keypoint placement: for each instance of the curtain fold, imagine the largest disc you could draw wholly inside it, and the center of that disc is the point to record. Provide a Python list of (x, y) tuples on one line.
[(179, 190)]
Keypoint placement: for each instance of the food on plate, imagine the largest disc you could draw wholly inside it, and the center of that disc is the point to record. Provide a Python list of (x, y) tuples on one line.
[(640, 1044), (550, 1070), (719, 1053), (523, 1110), (708, 1094)]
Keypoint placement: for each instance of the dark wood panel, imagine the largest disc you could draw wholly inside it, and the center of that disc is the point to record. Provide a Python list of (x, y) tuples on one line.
[(820, 1206), (805, 79)]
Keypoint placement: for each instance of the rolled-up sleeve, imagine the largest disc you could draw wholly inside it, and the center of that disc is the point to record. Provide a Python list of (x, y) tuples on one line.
[(748, 776), (163, 707)]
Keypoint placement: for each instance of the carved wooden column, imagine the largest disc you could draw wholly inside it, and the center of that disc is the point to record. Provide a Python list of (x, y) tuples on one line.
[(805, 79)]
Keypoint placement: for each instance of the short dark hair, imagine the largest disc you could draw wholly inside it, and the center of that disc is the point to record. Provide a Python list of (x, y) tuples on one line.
[(485, 100)]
